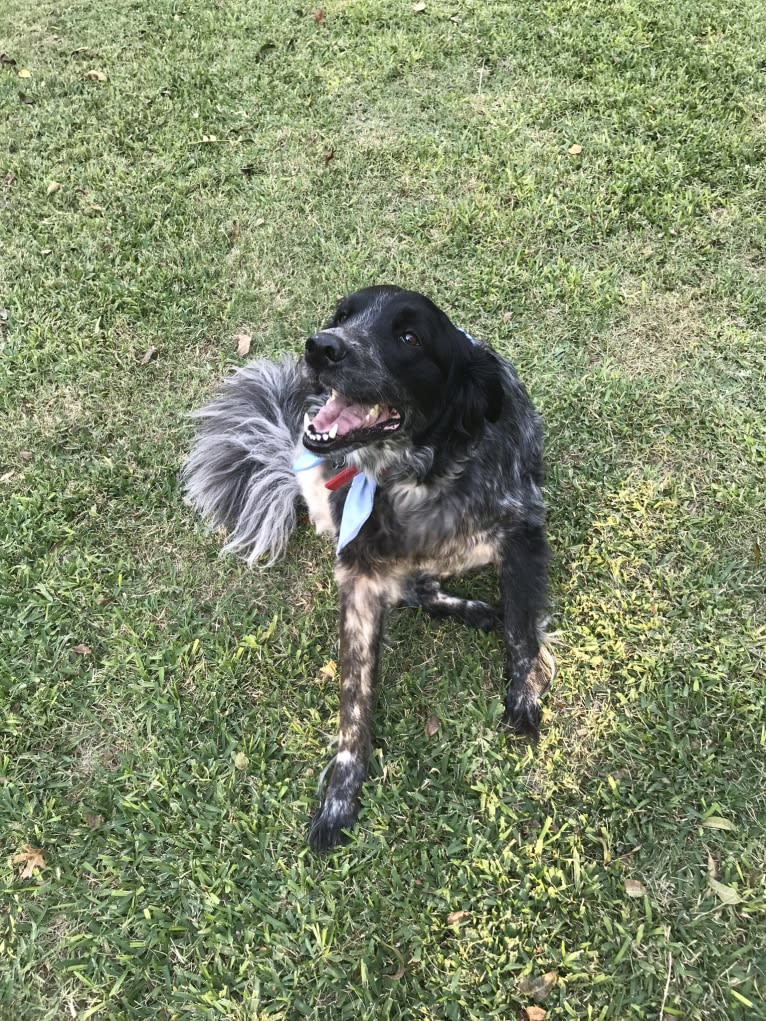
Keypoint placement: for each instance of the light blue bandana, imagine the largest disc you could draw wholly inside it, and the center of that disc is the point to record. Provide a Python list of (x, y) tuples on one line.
[(360, 498)]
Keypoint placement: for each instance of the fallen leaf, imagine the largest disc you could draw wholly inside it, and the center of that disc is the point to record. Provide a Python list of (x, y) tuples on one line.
[(82, 649), (31, 858), (95, 76), (539, 987), (716, 822), (319, 15), (399, 973), (52, 187), (328, 156), (151, 353), (727, 894), (92, 821), (507, 316), (329, 671), (259, 222), (6, 60), (241, 761), (456, 917), (432, 725), (757, 553), (9, 179), (534, 1014), (235, 231), (634, 889), (24, 72), (712, 868), (574, 150), (244, 340), (25, 455), (419, 8)]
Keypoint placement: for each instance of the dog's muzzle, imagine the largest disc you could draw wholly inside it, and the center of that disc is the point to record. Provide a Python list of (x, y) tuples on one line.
[(324, 349)]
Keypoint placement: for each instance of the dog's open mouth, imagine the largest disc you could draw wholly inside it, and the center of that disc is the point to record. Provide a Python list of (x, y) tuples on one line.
[(342, 422)]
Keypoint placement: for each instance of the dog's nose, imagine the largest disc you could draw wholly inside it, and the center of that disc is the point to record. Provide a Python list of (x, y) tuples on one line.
[(323, 348)]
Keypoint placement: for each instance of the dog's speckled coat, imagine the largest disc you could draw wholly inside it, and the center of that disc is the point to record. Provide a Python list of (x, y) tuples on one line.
[(458, 487)]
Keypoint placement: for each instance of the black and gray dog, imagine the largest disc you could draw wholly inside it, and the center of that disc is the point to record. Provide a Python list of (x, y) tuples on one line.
[(418, 449)]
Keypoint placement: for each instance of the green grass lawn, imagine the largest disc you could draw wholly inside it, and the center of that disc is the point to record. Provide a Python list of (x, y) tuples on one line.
[(173, 171)]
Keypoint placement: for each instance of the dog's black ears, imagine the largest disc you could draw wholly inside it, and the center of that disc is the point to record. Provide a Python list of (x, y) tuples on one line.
[(482, 390), (473, 395)]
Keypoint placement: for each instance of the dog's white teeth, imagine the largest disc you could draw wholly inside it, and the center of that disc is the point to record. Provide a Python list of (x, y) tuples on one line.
[(372, 413), (333, 431), (325, 436), (333, 394), (306, 421)]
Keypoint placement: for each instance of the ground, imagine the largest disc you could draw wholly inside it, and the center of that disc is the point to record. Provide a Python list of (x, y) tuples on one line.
[(581, 185)]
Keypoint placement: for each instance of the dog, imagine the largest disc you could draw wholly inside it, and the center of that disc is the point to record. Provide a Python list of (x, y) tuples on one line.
[(418, 450)]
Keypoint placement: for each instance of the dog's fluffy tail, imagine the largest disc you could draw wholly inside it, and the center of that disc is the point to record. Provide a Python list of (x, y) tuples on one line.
[(239, 475)]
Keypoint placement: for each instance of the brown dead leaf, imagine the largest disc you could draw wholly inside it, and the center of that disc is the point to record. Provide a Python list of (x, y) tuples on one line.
[(574, 150), (52, 188), (82, 649), (92, 821), (24, 72), (319, 15), (712, 868), (96, 76), (456, 917), (25, 455), (235, 231), (757, 553), (329, 671), (634, 889), (244, 340), (151, 354), (533, 1014), (538, 987), (329, 156), (9, 180), (432, 725), (507, 316), (31, 858)]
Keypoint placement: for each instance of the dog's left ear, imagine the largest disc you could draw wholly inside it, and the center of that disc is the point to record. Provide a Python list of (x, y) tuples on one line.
[(477, 391), (473, 395)]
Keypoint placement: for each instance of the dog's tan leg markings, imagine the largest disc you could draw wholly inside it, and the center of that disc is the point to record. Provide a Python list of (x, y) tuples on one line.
[(363, 604)]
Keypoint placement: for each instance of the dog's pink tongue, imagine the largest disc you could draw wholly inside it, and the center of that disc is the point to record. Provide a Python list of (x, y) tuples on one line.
[(339, 410)]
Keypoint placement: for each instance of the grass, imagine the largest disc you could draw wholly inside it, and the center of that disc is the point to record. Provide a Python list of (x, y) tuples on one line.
[(242, 164)]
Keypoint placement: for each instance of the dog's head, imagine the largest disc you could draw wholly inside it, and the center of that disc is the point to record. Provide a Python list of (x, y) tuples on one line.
[(398, 373)]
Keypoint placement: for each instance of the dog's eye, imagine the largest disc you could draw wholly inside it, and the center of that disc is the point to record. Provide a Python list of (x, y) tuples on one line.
[(410, 340)]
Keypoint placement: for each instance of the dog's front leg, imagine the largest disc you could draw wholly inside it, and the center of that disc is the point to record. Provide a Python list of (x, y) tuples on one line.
[(529, 663), (363, 603)]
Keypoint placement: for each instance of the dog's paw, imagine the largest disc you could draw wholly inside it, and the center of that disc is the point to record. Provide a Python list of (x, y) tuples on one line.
[(330, 823), (523, 713), (483, 616)]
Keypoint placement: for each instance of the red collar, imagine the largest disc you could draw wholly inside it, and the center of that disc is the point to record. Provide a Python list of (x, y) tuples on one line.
[(344, 476)]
